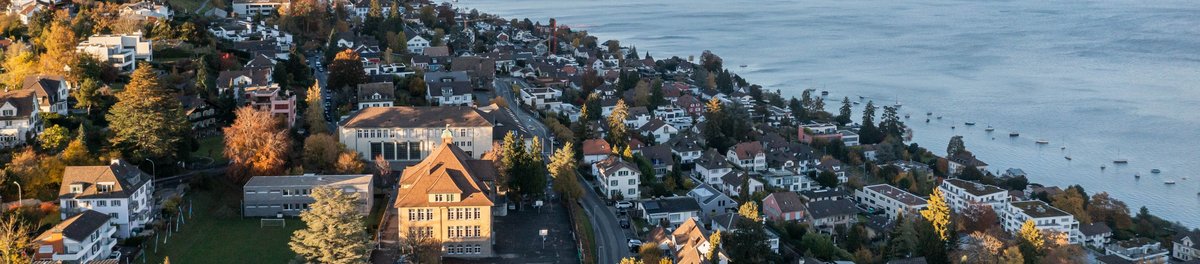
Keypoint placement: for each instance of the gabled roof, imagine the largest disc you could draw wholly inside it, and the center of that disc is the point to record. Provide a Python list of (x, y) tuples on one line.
[(671, 205), (126, 179), (747, 150), (23, 100), (830, 208), (454, 88), (653, 125), (258, 77), (659, 155), (787, 201), (436, 51), (1192, 235), (711, 159), (45, 86), (261, 61), (685, 142), (596, 146), (415, 116), (77, 227), (386, 91), (966, 159), (1092, 229), (445, 171), (612, 164)]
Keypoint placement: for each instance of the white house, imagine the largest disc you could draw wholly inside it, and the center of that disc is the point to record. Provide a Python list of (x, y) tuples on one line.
[(675, 210), (448, 88), (416, 43), (731, 184), (889, 199), (541, 97), (377, 94), (686, 146), (410, 133), (1095, 235), (85, 237), (711, 166), (711, 201), (618, 178), (660, 131), (19, 121), (257, 7), (595, 149), (122, 51), (1187, 246), (674, 115), (1045, 217), (960, 194), (147, 9), (789, 180), (1137, 250), (119, 190), (748, 155)]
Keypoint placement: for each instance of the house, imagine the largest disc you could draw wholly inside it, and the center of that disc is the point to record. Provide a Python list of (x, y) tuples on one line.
[(660, 159), (19, 117), (269, 196), (687, 244), (1137, 250), (448, 197), (595, 149), (962, 160), (733, 182), (690, 104), (376, 94), (807, 133), (674, 115), (834, 166), (411, 133), (1095, 235), (618, 178), (637, 116), (200, 113), (147, 10), (541, 97), (416, 43), (280, 103), (1046, 217), (258, 7), (52, 92), (827, 215), (118, 189), (824, 195), (849, 138), (238, 81), (687, 146), (658, 130), (730, 222), (712, 202), (889, 199), (960, 194), (1186, 247), (748, 155), (711, 166), (448, 88), (783, 206), (789, 180), (86, 237), (674, 210), (122, 51)]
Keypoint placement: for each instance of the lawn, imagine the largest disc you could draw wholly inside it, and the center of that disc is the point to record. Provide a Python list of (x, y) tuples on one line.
[(211, 147), (588, 236), (206, 238)]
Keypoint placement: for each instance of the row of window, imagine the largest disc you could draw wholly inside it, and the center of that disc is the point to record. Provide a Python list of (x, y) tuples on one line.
[(396, 150), (95, 203), (408, 132), (463, 231), (420, 214), (455, 249), (614, 183), (463, 214), (285, 207), (420, 231)]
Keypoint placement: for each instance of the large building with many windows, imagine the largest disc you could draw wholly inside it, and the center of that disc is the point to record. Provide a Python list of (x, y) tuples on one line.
[(269, 196), (447, 198), (409, 134), (119, 190)]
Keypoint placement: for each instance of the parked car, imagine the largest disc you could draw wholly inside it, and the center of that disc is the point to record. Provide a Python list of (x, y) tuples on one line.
[(624, 205), (624, 223), (634, 244)]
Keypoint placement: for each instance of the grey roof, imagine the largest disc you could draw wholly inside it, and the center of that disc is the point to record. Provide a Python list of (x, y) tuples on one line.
[(659, 155), (457, 76), (455, 88), (82, 225), (1194, 236), (671, 205), (1095, 229), (685, 142), (386, 90), (705, 193), (824, 194), (912, 260), (1112, 259), (974, 188), (787, 201), (416, 116), (45, 86), (729, 220), (126, 179), (830, 208), (614, 163), (1038, 209), (307, 180), (711, 159), (261, 61), (23, 100), (897, 194)]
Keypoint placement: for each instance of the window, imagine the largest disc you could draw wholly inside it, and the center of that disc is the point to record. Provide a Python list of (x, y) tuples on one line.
[(376, 149), (402, 151), (101, 203), (613, 183), (104, 187), (116, 202), (414, 150), (632, 181), (389, 151)]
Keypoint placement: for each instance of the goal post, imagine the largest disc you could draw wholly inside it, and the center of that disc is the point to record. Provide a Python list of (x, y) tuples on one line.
[(271, 222)]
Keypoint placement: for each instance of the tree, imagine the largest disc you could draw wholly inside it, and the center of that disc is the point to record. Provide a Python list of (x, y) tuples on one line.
[(346, 71), (87, 95), (349, 162), (938, 214), (54, 138), (980, 248), (1030, 242), (890, 125), (1072, 201), (641, 94), (956, 146), (977, 218), (146, 121), (321, 152), (1011, 255), (616, 124), (76, 153), (748, 244), (650, 253), (59, 42), (1110, 211), (14, 240), (845, 112), (19, 62), (562, 167), (334, 229), (631, 260), (256, 144), (383, 168), (903, 239), (714, 241), (749, 210), (827, 179), (822, 247), (315, 115), (375, 10)]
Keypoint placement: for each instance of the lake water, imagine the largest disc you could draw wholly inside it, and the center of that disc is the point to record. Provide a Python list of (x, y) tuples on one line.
[(1099, 77)]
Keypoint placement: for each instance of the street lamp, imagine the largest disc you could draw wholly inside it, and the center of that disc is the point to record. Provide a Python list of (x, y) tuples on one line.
[(20, 196), (153, 168)]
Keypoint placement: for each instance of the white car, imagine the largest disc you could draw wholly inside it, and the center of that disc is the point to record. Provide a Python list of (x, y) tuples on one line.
[(624, 205)]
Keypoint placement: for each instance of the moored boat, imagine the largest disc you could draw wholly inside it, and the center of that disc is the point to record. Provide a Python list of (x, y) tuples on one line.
[(970, 123), (1155, 171), (1014, 134), (1042, 142)]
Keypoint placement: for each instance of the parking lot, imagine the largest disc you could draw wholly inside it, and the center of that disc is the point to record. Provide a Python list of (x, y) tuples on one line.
[(518, 238)]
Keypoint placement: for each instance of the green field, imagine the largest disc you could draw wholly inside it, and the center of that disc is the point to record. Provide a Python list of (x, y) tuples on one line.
[(211, 147), (206, 238)]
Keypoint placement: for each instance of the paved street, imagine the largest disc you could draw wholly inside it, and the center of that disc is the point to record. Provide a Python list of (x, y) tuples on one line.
[(529, 122)]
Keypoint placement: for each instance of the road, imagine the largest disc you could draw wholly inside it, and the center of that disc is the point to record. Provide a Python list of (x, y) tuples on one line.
[(529, 123)]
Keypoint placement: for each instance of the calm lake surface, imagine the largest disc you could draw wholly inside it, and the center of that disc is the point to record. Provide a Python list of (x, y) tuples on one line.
[(1099, 77)]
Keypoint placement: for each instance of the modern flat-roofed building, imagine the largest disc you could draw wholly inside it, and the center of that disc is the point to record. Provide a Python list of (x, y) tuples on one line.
[(122, 51), (1045, 217), (891, 200), (960, 194), (257, 7), (409, 134), (269, 196)]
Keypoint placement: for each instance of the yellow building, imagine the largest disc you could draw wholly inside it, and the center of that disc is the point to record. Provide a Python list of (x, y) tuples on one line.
[(446, 197)]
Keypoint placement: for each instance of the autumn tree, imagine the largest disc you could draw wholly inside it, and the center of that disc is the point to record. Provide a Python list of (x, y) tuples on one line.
[(748, 210), (714, 241), (1110, 211), (54, 137), (59, 44), (650, 253), (315, 115), (349, 162), (617, 132), (334, 229), (19, 62), (1030, 242), (1073, 202), (146, 121), (976, 218), (77, 153), (979, 247), (346, 71), (256, 144), (938, 214), (321, 152), (14, 240), (562, 168)]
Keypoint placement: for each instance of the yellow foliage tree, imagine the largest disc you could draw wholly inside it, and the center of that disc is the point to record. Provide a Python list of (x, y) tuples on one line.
[(255, 144), (938, 214), (1031, 234), (749, 210), (18, 63)]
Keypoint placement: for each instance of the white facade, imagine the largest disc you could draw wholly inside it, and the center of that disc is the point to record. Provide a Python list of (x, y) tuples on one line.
[(130, 210), (712, 176), (413, 143), (123, 51), (674, 115), (791, 181), (889, 199), (15, 127), (257, 7), (1045, 217), (960, 194), (618, 177), (417, 45), (54, 245), (541, 97)]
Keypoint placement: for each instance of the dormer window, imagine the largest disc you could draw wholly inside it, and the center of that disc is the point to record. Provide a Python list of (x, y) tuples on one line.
[(443, 198), (104, 187), (9, 113), (77, 188)]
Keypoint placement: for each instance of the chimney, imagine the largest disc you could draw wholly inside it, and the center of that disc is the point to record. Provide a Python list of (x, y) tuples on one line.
[(115, 162)]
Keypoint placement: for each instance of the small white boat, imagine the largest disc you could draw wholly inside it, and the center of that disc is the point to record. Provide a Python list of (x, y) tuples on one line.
[(1137, 176), (856, 102), (1119, 160), (989, 129), (1169, 182), (928, 113), (939, 117), (1042, 142), (1155, 171)]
